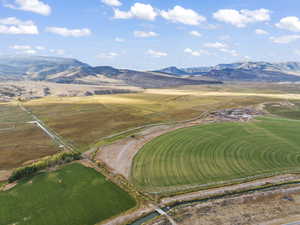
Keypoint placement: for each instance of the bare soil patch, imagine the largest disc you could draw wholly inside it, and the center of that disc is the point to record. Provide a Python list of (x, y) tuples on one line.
[(119, 155)]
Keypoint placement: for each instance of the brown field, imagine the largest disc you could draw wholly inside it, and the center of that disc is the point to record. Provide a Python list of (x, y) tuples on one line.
[(83, 121), (21, 142)]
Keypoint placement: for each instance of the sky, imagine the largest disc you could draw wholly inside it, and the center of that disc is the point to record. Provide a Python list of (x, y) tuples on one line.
[(152, 34)]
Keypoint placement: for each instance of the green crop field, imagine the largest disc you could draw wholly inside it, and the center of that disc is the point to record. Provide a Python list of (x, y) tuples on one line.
[(217, 152), (72, 195)]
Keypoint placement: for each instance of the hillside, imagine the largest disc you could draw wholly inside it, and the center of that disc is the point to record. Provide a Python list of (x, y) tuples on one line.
[(72, 71)]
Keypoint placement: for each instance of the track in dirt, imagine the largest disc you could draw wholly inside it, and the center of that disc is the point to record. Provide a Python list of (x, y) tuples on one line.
[(218, 152)]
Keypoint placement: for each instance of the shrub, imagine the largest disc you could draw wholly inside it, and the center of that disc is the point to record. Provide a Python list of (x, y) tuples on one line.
[(57, 159)]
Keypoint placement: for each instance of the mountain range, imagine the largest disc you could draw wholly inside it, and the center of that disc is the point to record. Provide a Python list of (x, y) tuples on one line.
[(65, 70), (242, 71), (71, 71)]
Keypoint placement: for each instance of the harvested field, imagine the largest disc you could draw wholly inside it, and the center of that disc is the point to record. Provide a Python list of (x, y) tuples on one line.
[(21, 142), (83, 121), (73, 195), (217, 152)]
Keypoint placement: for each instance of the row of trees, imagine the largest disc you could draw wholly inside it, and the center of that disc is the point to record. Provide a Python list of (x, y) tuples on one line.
[(50, 161)]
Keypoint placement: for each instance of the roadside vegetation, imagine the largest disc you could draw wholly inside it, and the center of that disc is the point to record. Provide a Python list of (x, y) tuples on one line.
[(73, 195), (217, 152)]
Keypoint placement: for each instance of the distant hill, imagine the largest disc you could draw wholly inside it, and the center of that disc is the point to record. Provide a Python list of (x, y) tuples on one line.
[(172, 70), (244, 71), (65, 70)]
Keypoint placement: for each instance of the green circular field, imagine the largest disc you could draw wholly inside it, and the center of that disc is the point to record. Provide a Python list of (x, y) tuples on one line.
[(218, 152)]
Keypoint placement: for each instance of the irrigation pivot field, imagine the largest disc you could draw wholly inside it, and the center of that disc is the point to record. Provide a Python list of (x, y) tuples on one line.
[(217, 152), (72, 195)]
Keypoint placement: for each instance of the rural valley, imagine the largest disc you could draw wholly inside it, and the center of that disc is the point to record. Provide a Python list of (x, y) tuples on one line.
[(118, 112)]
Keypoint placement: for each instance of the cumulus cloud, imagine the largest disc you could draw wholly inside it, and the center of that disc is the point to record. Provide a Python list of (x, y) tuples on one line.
[(156, 54), (286, 39), (57, 51), (40, 48), (20, 47), (181, 15), (195, 33), (107, 55), (12, 25), (194, 52), (222, 47), (69, 32), (30, 51), (217, 45), (242, 17), (26, 49), (297, 52), (117, 39), (229, 51), (261, 32), (112, 2), (145, 34), (291, 23), (35, 6), (138, 10)]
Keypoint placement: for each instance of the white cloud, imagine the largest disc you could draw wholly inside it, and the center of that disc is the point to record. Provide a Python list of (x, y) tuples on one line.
[(286, 39), (138, 10), (243, 17), (144, 34), (261, 32), (30, 51), (57, 51), (69, 32), (21, 47), (12, 25), (291, 23), (297, 52), (156, 54), (181, 15), (35, 6), (194, 53), (195, 33), (217, 45), (107, 55), (117, 39), (112, 2), (222, 47), (40, 48), (229, 51)]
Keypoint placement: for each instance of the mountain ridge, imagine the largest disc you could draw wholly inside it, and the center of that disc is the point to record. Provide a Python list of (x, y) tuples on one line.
[(243, 71), (68, 70)]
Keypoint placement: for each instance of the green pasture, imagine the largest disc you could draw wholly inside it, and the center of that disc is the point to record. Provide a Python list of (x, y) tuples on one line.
[(73, 195), (218, 152)]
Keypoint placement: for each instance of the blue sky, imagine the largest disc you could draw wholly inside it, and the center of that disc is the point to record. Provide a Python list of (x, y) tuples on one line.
[(151, 34)]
